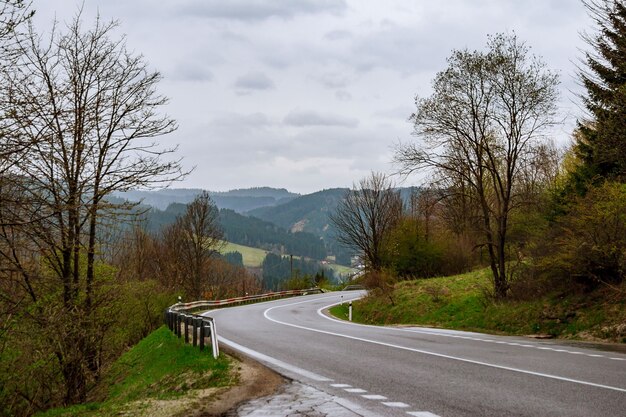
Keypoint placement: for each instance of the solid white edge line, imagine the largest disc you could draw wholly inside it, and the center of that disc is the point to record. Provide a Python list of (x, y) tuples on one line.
[(425, 352), (268, 359), (435, 332)]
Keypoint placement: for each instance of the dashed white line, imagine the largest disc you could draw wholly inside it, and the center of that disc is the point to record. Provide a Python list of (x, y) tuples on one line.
[(396, 404), (374, 397), (355, 390), (421, 414), (340, 385)]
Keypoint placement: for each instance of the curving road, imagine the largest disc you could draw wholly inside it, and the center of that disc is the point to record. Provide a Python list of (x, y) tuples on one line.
[(391, 371)]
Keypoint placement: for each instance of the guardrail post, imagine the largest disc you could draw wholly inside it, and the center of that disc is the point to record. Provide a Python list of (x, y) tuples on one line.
[(216, 349), (186, 321), (350, 311), (201, 334), (178, 321), (194, 320)]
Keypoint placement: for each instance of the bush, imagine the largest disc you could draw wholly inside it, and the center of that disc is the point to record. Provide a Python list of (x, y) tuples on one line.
[(595, 234), (591, 241), (409, 252)]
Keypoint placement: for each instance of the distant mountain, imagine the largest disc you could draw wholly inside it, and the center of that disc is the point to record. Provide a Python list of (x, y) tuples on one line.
[(250, 231), (240, 200), (310, 213), (307, 213)]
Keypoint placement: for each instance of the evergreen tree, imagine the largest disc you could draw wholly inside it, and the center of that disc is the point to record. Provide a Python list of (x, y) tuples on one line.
[(601, 141)]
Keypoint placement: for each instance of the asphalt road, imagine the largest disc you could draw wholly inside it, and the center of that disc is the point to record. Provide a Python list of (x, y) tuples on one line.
[(385, 371)]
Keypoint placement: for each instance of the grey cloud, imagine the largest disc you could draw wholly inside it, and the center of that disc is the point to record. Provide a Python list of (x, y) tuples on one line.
[(312, 118), (254, 81), (404, 49), (338, 35), (191, 72), (332, 80), (258, 10), (398, 113), (343, 95), (231, 120)]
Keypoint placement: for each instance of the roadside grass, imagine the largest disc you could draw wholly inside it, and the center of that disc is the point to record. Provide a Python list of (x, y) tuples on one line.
[(462, 302), (158, 370)]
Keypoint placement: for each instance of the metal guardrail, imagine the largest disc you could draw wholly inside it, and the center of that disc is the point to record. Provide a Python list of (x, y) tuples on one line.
[(181, 320), (180, 323)]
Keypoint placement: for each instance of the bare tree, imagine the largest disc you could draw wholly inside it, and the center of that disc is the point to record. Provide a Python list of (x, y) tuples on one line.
[(14, 14), (89, 110), (366, 215), (478, 131), (196, 236)]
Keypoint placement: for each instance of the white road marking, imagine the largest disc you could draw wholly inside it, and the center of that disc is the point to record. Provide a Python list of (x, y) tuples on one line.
[(396, 404), (442, 333), (425, 352), (262, 357), (355, 390), (421, 414), (374, 397), (340, 385)]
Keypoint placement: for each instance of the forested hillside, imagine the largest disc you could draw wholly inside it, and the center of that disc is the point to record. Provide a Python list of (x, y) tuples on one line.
[(308, 213), (257, 233), (239, 200), (248, 231)]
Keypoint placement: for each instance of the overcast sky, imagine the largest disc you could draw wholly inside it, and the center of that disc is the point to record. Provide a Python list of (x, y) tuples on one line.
[(313, 94)]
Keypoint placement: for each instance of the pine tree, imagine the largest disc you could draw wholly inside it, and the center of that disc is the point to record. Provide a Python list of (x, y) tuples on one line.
[(601, 141)]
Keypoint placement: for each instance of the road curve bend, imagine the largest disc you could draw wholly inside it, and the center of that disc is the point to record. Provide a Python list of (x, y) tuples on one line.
[(423, 372)]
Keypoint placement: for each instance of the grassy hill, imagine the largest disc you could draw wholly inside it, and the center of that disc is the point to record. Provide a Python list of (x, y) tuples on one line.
[(460, 302), (158, 376), (253, 257)]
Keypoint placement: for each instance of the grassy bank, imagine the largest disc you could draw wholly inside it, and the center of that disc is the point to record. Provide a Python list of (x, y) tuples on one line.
[(160, 376), (460, 302)]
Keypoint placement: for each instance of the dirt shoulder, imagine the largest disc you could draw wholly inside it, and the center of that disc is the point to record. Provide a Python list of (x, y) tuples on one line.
[(254, 381)]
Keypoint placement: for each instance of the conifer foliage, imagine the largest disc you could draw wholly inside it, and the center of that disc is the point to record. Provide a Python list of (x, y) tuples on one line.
[(601, 145)]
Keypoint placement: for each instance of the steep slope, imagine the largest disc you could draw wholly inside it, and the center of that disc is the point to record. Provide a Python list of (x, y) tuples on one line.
[(258, 233), (307, 213)]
